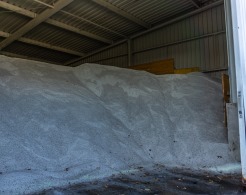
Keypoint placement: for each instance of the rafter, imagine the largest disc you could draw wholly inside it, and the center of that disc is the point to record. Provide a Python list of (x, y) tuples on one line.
[(122, 13), (34, 22), (195, 3), (45, 45), (83, 19), (93, 23), (78, 31), (53, 22), (17, 9), (43, 3)]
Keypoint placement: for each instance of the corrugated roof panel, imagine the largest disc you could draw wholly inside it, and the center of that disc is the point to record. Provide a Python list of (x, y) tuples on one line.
[(86, 15), (99, 15), (62, 38), (11, 21), (86, 26), (38, 52), (31, 5), (152, 11)]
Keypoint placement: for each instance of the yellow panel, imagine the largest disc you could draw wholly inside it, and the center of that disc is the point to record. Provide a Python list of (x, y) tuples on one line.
[(226, 87), (186, 70), (157, 67)]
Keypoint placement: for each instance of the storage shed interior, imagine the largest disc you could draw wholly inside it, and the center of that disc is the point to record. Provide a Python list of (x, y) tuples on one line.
[(66, 119), (118, 33)]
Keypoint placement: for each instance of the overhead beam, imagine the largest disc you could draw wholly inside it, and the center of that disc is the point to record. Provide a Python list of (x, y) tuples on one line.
[(122, 13), (17, 9), (54, 22), (78, 31), (194, 3), (83, 19), (88, 21), (94, 24), (43, 3), (34, 22), (41, 44)]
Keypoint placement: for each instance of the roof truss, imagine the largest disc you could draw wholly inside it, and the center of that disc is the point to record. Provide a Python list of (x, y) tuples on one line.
[(54, 22), (34, 22)]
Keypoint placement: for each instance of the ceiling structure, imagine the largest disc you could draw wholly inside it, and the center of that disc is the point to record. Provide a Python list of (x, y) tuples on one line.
[(62, 31)]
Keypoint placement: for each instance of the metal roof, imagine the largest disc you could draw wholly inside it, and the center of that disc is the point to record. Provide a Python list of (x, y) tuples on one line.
[(60, 31)]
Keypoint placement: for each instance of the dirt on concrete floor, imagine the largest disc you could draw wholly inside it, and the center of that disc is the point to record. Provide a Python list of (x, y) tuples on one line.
[(161, 180)]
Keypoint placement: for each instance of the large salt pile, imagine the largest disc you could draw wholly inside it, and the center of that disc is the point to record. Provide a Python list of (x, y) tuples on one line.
[(62, 125)]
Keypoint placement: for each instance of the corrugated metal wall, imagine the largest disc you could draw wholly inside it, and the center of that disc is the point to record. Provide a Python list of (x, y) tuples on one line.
[(115, 56), (199, 40)]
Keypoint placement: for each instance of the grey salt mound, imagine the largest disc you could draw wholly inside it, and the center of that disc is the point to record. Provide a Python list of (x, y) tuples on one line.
[(62, 125)]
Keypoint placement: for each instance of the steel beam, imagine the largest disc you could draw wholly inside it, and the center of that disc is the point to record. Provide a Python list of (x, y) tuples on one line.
[(94, 24), (41, 44), (43, 3), (78, 31), (34, 22), (195, 3), (122, 13), (53, 22), (83, 19), (17, 9)]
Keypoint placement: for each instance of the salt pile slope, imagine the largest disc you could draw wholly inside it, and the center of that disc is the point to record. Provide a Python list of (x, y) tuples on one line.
[(62, 125)]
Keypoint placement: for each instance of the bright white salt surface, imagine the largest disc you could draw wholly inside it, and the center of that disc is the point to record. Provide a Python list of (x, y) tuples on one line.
[(63, 125)]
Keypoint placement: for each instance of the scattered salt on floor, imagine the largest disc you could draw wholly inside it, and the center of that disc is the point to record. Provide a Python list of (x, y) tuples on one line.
[(62, 125)]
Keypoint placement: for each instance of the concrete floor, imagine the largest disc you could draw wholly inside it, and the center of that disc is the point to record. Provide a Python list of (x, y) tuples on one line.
[(158, 181)]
